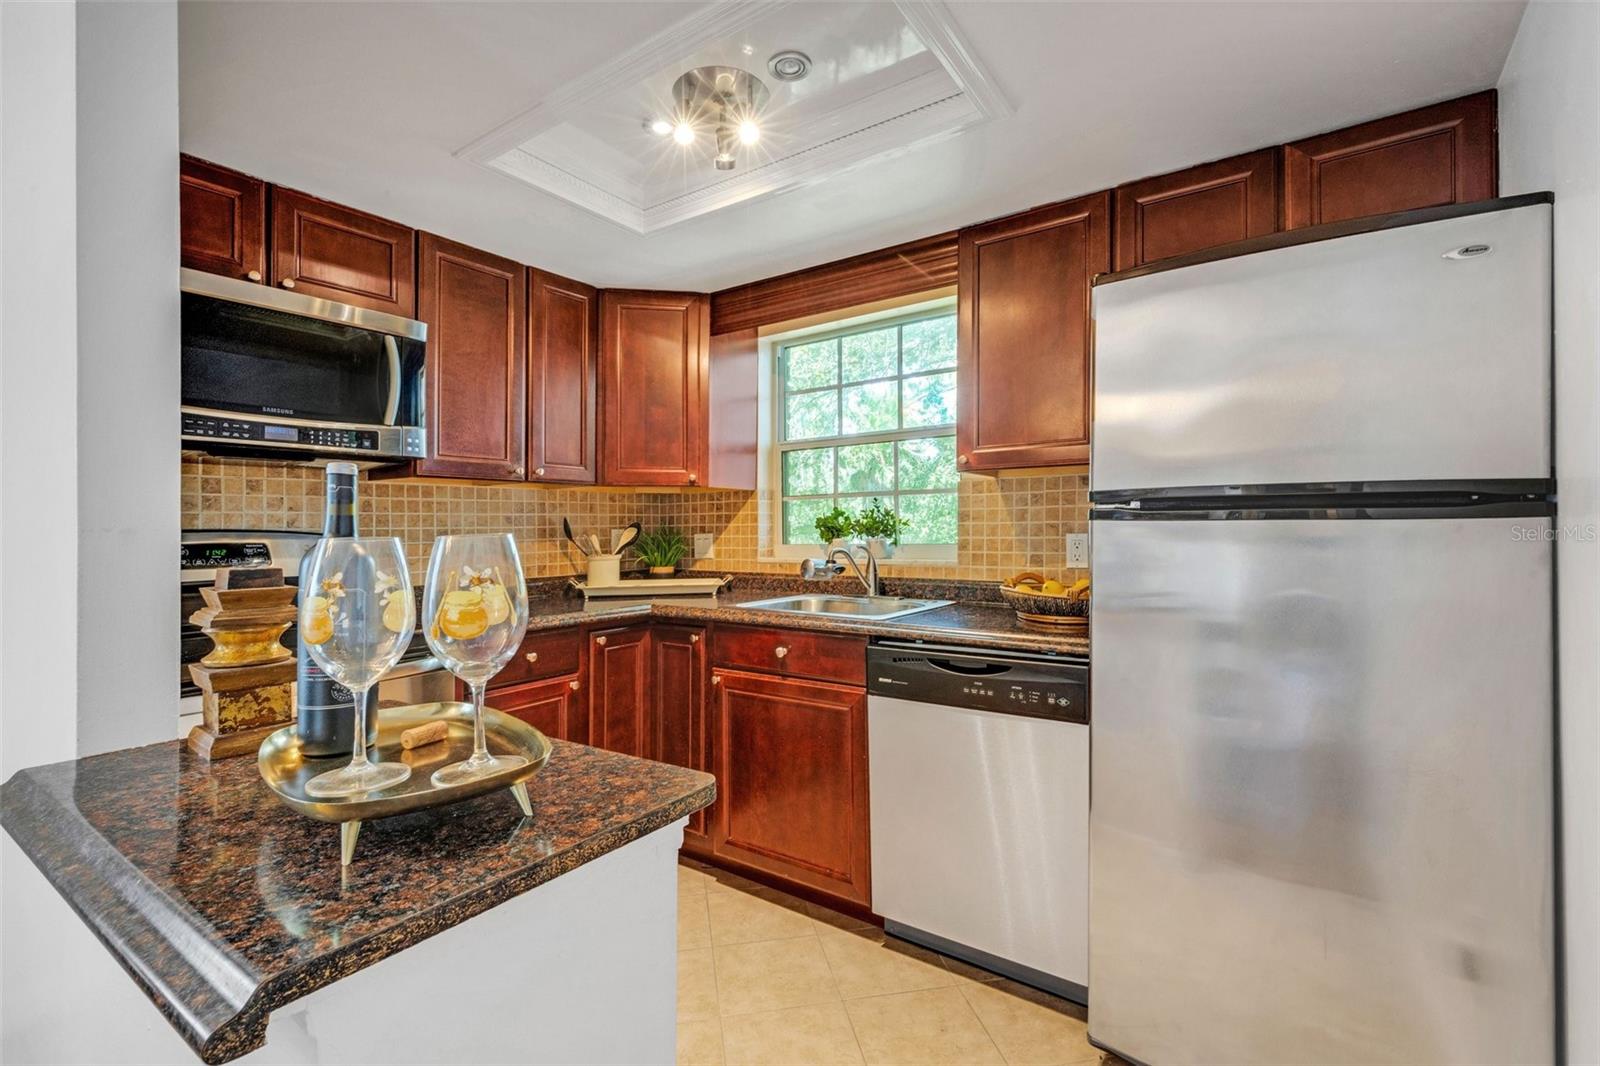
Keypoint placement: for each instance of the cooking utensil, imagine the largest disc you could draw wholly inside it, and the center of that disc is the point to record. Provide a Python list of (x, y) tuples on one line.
[(566, 528), (629, 535)]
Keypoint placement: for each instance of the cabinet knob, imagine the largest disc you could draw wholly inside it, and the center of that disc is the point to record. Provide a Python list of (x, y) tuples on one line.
[(780, 651), (694, 638), (573, 684), (538, 471), (961, 459), (716, 679), (253, 275), (693, 478), (288, 283), (599, 640), (532, 656), (518, 470)]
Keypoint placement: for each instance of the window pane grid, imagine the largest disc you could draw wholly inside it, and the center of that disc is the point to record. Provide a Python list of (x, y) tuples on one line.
[(887, 427)]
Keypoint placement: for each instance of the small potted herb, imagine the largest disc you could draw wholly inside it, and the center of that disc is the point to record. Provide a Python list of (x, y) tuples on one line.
[(834, 527), (660, 550), (880, 527)]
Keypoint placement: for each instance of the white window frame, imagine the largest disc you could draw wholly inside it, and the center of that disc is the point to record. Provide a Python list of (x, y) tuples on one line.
[(772, 347)]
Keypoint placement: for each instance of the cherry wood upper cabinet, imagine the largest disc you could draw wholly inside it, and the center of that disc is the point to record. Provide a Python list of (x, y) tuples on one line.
[(678, 689), (338, 253), (653, 379), (1444, 154), (1200, 207), (1023, 368), (223, 217), (563, 350), (475, 305), (790, 758), (619, 690)]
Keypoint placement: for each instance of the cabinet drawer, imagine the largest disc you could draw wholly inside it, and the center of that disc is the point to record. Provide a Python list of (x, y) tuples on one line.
[(547, 654), (791, 653), (545, 705)]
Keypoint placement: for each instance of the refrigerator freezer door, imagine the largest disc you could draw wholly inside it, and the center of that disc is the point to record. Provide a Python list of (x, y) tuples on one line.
[(1321, 808), (1364, 358)]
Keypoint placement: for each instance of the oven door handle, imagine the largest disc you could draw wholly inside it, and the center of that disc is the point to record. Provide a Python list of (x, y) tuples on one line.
[(392, 411)]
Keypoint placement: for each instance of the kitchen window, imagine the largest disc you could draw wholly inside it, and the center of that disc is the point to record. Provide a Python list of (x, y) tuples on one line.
[(869, 412)]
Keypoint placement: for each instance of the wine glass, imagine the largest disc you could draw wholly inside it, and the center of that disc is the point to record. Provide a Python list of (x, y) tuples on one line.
[(356, 617), (476, 609)]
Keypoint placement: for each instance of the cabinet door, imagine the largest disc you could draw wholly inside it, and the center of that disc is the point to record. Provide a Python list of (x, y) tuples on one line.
[(338, 253), (653, 387), (545, 705), (223, 220), (1023, 385), (563, 350), (678, 691), (1201, 207), (475, 305), (619, 690), (1444, 154), (790, 759)]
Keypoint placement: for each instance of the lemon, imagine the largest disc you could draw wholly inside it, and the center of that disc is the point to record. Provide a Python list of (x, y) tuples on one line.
[(1053, 588), (394, 614), (495, 602), (316, 623), (462, 614)]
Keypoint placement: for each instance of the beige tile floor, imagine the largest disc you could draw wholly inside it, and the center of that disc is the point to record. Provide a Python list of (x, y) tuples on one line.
[(766, 978)]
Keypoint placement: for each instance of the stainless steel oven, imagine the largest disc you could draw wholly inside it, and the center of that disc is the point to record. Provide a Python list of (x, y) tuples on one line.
[(271, 372)]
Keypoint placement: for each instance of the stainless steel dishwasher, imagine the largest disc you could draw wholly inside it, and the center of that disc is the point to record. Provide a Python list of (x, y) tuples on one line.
[(979, 766)]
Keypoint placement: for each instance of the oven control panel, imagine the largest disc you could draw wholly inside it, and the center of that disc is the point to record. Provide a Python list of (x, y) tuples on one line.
[(218, 554)]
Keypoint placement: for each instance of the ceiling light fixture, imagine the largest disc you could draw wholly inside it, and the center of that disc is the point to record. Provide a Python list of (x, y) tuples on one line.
[(789, 65), (727, 100)]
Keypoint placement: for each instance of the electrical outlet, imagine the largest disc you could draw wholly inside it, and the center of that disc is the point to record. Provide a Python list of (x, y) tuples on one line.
[(705, 546), (1078, 550)]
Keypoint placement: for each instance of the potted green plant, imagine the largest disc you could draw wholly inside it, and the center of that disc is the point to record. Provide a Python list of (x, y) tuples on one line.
[(834, 527), (660, 550), (880, 527)]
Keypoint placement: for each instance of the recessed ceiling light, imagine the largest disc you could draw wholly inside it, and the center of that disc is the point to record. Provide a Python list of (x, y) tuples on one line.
[(789, 65), (660, 127), (683, 133)]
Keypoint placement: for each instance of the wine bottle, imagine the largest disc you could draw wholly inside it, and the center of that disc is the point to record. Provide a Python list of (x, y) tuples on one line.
[(325, 711)]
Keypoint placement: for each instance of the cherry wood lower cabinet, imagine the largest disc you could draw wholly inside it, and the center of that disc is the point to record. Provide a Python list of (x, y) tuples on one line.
[(338, 253), (790, 757), (620, 701), (223, 220), (678, 694), (549, 706)]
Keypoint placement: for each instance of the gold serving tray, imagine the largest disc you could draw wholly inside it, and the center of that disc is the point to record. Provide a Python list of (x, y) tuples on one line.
[(286, 771)]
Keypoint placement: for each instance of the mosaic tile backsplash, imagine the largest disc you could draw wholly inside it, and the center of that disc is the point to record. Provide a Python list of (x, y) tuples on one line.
[(1005, 524)]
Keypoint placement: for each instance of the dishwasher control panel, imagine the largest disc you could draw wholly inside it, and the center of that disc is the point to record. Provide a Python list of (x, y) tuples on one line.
[(1036, 685)]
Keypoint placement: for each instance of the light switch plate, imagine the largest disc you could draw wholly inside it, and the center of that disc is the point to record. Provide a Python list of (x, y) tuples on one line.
[(705, 546), (1078, 550)]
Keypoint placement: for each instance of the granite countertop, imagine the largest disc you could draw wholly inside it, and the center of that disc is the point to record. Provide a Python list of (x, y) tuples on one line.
[(966, 621), (223, 904)]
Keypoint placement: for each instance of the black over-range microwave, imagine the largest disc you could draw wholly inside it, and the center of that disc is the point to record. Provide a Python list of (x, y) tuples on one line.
[(268, 371)]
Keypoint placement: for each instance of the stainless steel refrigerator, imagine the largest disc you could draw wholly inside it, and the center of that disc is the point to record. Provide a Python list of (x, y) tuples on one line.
[(1322, 807)]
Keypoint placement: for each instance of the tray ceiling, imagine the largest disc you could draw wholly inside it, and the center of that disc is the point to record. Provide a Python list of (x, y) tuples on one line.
[(885, 77)]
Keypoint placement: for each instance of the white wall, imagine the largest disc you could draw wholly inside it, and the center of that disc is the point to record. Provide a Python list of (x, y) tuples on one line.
[(1550, 139), (128, 508), (38, 378)]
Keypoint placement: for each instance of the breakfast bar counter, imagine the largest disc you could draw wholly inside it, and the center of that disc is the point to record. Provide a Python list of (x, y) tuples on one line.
[(224, 906)]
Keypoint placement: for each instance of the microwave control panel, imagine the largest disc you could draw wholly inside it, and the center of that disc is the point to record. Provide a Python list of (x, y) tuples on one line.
[(271, 433)]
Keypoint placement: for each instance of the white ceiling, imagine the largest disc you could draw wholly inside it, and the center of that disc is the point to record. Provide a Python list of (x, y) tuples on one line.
[(368, 104)]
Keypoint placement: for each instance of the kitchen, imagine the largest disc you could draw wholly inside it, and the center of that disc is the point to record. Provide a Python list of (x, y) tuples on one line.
[(935, 375)]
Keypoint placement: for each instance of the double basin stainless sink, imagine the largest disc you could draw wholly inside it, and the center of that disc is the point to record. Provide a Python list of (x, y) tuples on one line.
[(870, 607)]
